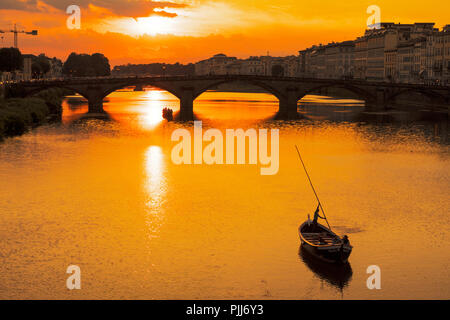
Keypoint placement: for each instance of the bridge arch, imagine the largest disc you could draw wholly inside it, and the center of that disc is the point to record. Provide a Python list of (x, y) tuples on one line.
[(256, 83), (359, 92), (270, 86), (243, 84), (155, 84), (38, 89), (430, 94)]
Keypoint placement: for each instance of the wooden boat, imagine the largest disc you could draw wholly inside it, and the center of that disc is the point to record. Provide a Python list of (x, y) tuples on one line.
[(318, 239), (323, 243)]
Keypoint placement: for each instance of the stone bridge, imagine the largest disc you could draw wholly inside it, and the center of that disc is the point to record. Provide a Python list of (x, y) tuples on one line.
[(377, 95)]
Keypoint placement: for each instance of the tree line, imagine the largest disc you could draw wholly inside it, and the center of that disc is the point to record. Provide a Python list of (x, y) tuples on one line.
[(175, 69), (76, 65), (11, 59)]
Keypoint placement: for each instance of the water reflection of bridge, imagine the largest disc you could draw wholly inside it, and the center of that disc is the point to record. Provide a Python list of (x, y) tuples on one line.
[(377, 95)]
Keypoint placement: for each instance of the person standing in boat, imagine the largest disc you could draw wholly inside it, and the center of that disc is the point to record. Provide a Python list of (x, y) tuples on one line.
[(345, 239), (316, 216)]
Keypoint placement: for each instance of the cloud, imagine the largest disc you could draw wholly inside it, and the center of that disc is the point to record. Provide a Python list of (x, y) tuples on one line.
[(122, 49), (123, 8), (203, 28), (163, 13), (120, 8), (23, 5), (47, 23)]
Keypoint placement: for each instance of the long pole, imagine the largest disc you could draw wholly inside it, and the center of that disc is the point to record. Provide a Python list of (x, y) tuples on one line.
[(314, 190), (16, 45)]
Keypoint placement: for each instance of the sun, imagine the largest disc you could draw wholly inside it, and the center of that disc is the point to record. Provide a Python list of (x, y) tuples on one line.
[(155, 25)]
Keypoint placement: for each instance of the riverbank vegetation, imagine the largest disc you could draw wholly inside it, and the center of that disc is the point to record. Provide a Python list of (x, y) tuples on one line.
[(18, 115)]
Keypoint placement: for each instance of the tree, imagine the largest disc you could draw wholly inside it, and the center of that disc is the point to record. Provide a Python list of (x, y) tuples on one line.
[(84, 65), (10, 59), (40, 65), (75, 65), (100, 64)]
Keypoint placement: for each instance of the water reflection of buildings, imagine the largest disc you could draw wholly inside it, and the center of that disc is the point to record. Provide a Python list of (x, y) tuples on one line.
[(338, 276), (430, 125)]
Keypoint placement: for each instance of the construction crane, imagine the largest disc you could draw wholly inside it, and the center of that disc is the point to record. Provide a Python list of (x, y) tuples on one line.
[(16, 34)]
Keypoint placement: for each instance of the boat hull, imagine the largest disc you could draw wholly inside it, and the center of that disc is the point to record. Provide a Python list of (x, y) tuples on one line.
[(332, 251), (331, 255)]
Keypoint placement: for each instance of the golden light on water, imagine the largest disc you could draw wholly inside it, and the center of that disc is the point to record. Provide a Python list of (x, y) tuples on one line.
[(154, 169), (153, 109), (111, 199), (102, 191), (155, 186)]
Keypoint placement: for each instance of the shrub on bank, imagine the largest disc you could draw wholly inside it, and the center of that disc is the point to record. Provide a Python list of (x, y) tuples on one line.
[(17, 115), (53, 98)]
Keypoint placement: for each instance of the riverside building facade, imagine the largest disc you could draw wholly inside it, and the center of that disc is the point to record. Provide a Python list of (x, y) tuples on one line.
[(409, 53), (220, 64)]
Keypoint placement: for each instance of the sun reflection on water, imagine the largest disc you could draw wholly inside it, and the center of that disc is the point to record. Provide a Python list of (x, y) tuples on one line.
[(152, 115), (155, 182), (155, 188)]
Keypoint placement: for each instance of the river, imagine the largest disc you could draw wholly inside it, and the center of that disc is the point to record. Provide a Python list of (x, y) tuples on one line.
[(105, 195)]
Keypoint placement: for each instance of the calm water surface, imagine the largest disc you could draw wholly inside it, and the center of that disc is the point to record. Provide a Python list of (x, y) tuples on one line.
[(105, 195)]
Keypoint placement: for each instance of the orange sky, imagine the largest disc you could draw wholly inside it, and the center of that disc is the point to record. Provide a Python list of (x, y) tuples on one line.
[(143, 31)]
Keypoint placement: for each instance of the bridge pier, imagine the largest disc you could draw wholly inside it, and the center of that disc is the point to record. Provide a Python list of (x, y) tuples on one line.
[(288, 105), (287, 110), (95, 96), (378, 103), (187, 104), (95, 105)]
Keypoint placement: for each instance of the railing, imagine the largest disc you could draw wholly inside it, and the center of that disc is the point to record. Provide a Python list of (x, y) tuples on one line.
[(426, 83)]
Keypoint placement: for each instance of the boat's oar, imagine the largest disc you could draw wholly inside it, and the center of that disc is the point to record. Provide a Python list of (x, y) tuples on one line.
[(310, 182)]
